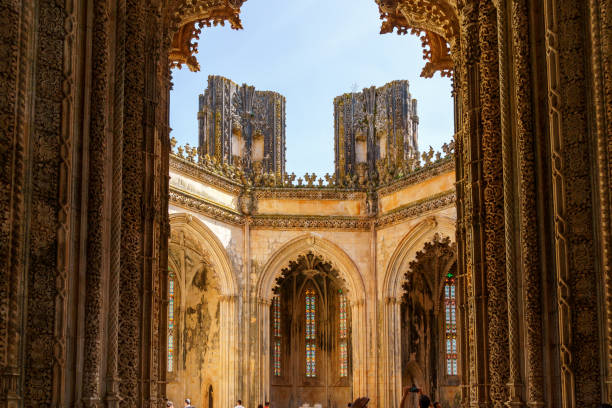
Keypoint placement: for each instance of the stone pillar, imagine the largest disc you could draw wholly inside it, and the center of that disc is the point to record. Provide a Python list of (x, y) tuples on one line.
[(228, 350), (529, 245), (493, 202), (261, 374), (572, 196), (360, 351), (391, 367), (600, 27), (97, 210), (474, 210), (514, 367)]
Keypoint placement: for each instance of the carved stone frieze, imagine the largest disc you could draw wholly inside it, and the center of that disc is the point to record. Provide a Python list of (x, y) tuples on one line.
[(310, 222), (205, 207), (196, 170), (443, 200), (309, 194)]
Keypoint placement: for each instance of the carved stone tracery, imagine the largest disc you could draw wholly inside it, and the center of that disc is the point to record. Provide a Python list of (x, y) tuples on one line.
[(47, 185)]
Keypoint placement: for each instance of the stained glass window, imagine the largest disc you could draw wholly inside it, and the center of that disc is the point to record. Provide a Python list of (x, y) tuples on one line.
[(343, 334), (277, 360), (310, 315), (343, 323), (450, 326), (311, 360), (170, 322), (343, 359), (276, 316), (311, 332), (276, 332)]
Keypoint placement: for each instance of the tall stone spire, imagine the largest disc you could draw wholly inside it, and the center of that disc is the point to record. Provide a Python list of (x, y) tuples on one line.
[(241, 126), (373, 125)]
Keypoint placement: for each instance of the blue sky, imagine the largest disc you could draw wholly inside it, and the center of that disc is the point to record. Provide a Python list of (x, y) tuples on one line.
[(311, 51)]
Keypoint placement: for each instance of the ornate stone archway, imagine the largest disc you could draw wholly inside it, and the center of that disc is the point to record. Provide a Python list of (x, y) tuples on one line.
[(391, 296), (85, 195), (347, 270), (228, 313)]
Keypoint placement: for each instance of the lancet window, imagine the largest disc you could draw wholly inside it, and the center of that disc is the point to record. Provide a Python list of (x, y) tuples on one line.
[(450, 327), (311, 348), (276, 334)]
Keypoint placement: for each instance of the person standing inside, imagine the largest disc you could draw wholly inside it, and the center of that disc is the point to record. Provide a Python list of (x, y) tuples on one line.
[(188, 403), (239, 404), (424, 400)]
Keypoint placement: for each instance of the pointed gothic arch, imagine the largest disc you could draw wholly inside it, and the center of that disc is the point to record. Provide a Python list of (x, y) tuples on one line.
[(318, 246), (390, 299), (302, 245), (228, 333)]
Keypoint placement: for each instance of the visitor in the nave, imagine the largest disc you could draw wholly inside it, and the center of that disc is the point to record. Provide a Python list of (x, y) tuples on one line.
[(239, 404), (188, 403), (424, 400), (169, 404)]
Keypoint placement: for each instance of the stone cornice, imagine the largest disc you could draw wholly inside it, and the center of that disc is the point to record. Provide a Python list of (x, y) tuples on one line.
[(310, 222), (194, 170), (210, 209), (418, 208), (198, 172), (309, 193)]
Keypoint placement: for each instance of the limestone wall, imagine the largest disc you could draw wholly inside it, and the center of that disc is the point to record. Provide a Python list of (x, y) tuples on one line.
[(372, 252)]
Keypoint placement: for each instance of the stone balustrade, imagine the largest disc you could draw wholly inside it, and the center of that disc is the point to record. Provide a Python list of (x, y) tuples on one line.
[(386, 172)]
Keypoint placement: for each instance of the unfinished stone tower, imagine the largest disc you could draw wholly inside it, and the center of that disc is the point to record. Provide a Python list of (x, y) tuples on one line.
[(377, 123), (241, 126)]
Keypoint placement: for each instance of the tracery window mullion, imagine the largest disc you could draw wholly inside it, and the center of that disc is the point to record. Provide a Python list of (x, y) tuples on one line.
[(450, 326)]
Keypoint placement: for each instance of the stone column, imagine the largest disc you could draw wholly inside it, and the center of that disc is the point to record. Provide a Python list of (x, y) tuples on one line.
[(473, 206), (572, 194), (514, 367), (261, 376), (360, 352), (391, 367), (228, 350), (529, 245), (600, 27), (493, 201), (97, 209)]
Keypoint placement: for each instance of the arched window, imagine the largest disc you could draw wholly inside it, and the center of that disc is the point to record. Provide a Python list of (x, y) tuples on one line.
[(311, 332), (450, 325), (343, 334), (276, 334), (171, 324)]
